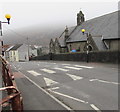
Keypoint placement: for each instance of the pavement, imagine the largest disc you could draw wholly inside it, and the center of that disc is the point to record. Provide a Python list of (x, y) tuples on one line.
[(64, 85)]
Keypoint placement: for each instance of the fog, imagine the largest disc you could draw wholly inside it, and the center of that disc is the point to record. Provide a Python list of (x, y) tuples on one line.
[(31, 19)]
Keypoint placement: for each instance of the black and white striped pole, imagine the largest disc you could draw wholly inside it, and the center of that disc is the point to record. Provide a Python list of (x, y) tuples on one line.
[(87, 34)]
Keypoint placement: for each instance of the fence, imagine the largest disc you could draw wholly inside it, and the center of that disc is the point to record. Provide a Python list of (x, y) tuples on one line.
[(12, 97)]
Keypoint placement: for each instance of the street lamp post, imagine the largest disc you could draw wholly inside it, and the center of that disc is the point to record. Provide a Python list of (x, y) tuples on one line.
[(7, 16), (87, 34)]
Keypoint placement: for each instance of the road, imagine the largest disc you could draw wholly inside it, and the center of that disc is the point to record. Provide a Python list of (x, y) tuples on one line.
[(62, 85)]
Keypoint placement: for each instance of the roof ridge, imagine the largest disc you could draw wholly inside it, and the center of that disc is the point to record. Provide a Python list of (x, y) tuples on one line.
[(101, 16), (62, 34)]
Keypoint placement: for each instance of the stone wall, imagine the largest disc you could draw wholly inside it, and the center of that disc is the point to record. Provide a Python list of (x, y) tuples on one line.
[(105, 57)]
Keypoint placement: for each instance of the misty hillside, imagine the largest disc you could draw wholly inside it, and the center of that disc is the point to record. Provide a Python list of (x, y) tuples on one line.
[(36, 35)]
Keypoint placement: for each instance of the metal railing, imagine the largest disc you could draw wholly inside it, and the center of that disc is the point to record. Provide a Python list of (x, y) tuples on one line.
[(13, 98)]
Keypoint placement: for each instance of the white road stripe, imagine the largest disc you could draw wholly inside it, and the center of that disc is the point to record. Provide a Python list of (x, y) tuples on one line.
[(65, 64), (48, 71), (73, 68), (33, 73), (62, 104), (52, 63), (107, 82), (74, 77), (70, 97), (83, 66), (61, 69), (49, 81), (103, 81), (54, 88), (94, 107), (92, 80)]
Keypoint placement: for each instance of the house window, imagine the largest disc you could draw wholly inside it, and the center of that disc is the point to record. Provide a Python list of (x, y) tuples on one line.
[(14, 52)]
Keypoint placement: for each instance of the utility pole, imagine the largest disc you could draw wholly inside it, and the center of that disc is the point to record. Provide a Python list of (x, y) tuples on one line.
[(2, 49), (28, 48)]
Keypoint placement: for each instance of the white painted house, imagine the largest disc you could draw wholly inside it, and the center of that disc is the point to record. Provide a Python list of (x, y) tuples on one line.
[(20, 52)]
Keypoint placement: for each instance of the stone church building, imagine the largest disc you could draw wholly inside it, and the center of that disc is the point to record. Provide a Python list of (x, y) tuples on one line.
[(102, 35)]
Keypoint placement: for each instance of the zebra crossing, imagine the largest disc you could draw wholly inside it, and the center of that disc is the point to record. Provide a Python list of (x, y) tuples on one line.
[(33, 72), (48, 71), (65, 68)]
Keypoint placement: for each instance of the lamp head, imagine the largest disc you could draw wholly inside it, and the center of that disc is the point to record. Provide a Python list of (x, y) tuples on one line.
[(7, 16), (83, 31)]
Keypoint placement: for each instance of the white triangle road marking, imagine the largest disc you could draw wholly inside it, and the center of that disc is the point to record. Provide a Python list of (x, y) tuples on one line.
[(49, 81), (74, 77), (33, 73)]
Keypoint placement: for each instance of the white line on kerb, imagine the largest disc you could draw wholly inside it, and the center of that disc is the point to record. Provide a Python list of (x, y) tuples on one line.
[(62, 104)]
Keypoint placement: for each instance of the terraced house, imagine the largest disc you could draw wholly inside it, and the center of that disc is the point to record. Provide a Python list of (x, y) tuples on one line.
[(103, 35)]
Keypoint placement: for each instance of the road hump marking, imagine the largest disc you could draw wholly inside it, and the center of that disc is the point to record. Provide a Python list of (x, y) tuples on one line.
[(33, 73), (49, 81), (74, 77)]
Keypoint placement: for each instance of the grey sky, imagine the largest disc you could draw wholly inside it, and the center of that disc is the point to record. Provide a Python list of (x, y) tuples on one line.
[(28, 13)]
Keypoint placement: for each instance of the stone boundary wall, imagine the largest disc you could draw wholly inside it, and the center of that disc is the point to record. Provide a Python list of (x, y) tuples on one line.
[(103, 56)]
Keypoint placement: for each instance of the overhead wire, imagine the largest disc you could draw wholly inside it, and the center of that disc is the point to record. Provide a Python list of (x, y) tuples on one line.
[(16, 32)]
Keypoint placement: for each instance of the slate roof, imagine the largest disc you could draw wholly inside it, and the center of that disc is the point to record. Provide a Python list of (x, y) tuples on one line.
[(61, 38), (16, 46), (106, 25), (99, 43), (9, 48), (111, 38)]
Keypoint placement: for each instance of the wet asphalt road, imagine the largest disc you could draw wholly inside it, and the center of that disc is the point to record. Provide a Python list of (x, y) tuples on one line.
[(74, 85)]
